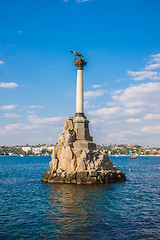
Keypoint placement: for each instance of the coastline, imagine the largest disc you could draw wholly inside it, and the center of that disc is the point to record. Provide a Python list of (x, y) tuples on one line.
[(158, 155)]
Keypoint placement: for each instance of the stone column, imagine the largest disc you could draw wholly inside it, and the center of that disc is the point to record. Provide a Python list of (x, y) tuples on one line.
[(79, 92), (79, 63), (80, 122)]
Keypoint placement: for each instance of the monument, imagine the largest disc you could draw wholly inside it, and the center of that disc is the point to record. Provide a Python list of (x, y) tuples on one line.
[(75, 158)]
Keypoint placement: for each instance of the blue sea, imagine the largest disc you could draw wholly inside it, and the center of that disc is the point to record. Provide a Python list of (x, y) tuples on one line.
[(31, 209)]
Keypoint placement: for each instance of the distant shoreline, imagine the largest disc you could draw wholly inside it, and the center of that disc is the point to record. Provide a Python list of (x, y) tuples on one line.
[(158, 155)]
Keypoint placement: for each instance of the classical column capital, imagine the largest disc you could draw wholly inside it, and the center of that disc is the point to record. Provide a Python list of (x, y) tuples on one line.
[(79, 63)]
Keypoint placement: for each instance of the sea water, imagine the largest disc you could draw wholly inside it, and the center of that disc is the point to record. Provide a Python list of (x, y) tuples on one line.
[(31, 209)]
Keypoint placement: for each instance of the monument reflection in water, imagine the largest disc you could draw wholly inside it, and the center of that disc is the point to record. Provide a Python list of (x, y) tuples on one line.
[(73, 209), (75, 158)]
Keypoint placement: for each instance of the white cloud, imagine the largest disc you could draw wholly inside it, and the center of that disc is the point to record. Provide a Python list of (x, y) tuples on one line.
[(87, 105), (148, 72), (156, 57), (8, 85), (93, 94), (1, 62), (133, 120), (81, 1), (8, 107), (118, 91), (141, 75), (19, 126), (133, 111), (154, 63), (12, 115), (105, 112), (133, 105), (145, 94), (151, 129), (152, 66), (19, 31), (122, 134), (96, 86), (115, 112), (31, 112), (34, 106), (152, 116), (13, 126), (94, 121), (78, 1), (36, 123), (37, 120)]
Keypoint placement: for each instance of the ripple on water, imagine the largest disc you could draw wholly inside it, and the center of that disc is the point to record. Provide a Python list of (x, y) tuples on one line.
[(32, 209)]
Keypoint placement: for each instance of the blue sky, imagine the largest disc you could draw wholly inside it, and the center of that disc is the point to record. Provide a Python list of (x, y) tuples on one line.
[(120, 40)]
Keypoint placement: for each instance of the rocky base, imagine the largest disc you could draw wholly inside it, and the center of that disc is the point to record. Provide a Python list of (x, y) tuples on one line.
[(84, 177), (75, 158)]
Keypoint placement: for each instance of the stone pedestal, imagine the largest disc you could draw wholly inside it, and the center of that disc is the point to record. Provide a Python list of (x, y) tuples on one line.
[(81, 128), (75, 158)]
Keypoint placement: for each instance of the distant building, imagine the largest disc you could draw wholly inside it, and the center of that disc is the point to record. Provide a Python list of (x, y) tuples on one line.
[(48, 148), (37, 150), (27, 149)]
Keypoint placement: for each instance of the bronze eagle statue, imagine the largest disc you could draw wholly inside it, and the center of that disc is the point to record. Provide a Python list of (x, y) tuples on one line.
[(78, 54)]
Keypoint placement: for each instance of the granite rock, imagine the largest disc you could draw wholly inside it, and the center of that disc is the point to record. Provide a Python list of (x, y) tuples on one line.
[(76, 160)]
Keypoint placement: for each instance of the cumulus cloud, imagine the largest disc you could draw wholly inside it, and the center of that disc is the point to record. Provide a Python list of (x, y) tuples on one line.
[(148, 72), (12, 115), (151, 129), (152, 116), (81, 1), (19, 126), (145, 94), (133, 105), (34, 106), (156, 57), (87, 105), (37, 120), (96, 86), (124, 136), (94, 121), (8, 107), (8, 85), (114, 112), (154, 63), (118, 91), (35, 123), (133, 111), (152, 66), (141, 75), (106, 112), (93, 94), (78, 1), (13, 126), (31, 112), (133, 120)]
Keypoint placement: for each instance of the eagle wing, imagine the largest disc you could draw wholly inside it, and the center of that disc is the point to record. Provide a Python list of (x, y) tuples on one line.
[(78, 54)]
